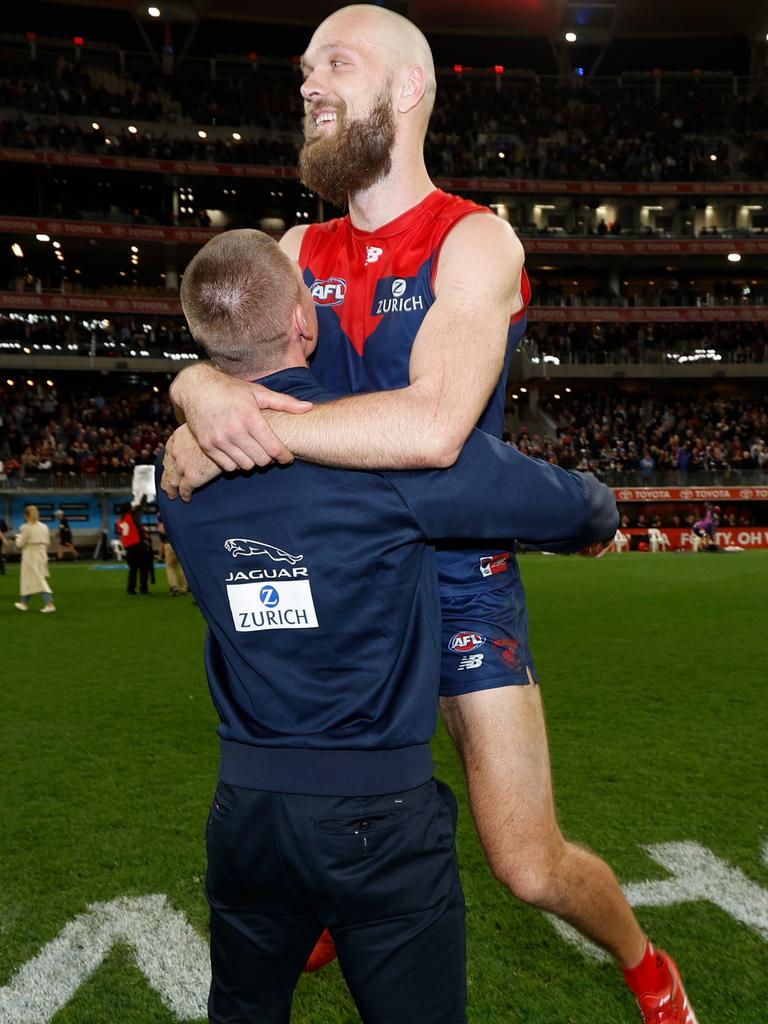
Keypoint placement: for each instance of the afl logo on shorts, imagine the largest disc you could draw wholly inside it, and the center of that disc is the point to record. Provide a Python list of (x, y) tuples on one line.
[(330, 292), (465, 641)]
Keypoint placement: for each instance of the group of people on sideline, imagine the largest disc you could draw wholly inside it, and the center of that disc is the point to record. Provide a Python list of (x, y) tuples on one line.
[(34, 540)]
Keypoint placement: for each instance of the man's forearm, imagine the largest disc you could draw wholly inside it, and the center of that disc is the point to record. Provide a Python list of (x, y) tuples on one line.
[(382, 430)]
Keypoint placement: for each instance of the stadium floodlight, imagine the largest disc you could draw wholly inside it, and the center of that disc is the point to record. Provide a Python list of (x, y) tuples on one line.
[(17, 250), (734, 257), (153, 12), (49, 383), (571, 37), (236, 136), (524, 391), (713, 157), (202, 135), (501, 155), (134, 248), (10, 382), (132, 129), (43, 238), (56, 245), (95, 125)]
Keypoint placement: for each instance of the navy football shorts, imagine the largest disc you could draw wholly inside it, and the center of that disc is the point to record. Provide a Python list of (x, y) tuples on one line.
[(485, 634)]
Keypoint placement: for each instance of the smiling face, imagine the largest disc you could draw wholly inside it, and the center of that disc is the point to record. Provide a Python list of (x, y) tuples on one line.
[(349, 124)]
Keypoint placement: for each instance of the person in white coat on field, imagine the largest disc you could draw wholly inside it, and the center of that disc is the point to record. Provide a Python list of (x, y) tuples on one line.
[(33, 540)]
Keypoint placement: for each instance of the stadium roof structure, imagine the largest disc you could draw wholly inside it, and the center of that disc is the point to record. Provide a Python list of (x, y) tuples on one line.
[(600, 19)]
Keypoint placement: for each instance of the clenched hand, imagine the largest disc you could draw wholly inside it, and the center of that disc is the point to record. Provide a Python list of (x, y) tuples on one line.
[(225, 416)]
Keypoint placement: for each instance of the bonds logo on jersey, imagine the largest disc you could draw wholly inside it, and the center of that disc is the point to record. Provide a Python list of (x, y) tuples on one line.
[(397, 295), (330, 292)]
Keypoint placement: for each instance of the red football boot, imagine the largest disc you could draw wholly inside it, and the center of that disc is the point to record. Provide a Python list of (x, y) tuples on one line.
[(665, 1002), (324, 952)]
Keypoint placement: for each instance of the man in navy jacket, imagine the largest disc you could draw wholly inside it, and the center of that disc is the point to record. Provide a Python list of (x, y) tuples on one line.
[(320, 592)]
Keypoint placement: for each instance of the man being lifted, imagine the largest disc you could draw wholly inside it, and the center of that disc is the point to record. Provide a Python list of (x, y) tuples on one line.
[(421, 299)]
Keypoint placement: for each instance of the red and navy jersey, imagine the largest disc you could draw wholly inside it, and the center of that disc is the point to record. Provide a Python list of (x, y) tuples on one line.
[(372, 290)]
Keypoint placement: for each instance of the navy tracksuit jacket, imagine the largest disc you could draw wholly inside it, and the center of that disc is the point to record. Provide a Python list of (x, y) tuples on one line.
[(320, 593)]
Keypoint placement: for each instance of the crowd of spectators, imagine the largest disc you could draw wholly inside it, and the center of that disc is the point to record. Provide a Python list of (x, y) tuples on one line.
[(264, 97), (85, 438), (482, 125), (617, 433), (592, 343), (19, 133), (669, 292), (76, 335), (643, 343)]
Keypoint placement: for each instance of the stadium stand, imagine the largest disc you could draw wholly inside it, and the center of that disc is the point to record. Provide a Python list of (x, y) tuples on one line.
[(638, 196)]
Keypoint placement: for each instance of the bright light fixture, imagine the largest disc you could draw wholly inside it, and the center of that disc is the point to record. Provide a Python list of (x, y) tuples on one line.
[(153, 12), (17, 250), (570, 37), (43, 238), (734, 257)]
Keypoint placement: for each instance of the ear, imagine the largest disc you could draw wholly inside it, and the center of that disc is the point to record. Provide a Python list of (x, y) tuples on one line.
[(299, 322), (414, 87)]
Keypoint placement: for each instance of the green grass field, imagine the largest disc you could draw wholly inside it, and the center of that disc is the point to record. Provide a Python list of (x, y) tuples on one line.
[(654, 680)]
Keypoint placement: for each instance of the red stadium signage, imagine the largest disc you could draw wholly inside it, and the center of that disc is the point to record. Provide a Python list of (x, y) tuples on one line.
[(130, 163), (495, 185), (587, 246), (660, 188), (90, 303), (94, 229), (651, 247), (682, 539), (646, 314), (690, 493)]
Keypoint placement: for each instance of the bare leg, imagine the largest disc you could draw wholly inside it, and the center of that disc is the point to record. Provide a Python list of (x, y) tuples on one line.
[(502, 739)]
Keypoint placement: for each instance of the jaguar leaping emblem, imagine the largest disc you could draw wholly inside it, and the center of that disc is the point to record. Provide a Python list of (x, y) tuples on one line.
[(242, 546)]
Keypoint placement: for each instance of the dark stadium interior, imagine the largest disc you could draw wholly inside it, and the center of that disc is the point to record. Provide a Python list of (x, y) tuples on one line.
[(625, 142), (632, 163)]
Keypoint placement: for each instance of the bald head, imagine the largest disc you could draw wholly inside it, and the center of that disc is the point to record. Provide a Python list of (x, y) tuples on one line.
[(396, 41)]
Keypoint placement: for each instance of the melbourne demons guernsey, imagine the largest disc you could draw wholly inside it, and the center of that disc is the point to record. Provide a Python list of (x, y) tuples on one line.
[(372, 290)]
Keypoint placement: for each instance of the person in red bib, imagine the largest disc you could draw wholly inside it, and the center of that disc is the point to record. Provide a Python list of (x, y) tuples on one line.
[(421, 299), (129, 533)]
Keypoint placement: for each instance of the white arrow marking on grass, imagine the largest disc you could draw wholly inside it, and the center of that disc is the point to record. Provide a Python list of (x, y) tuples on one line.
[(697, 874), (169, 953)]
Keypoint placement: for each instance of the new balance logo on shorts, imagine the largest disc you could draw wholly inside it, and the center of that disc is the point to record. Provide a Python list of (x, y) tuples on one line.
[(471, 661)]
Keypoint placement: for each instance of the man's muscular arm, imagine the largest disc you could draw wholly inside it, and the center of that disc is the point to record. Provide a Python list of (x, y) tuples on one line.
[(456, 361)]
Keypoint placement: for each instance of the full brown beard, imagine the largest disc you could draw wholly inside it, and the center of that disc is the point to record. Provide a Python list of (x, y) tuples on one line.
[(354, 157)]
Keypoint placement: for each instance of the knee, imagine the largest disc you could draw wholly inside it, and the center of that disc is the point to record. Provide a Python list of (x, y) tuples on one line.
[(534, 872)]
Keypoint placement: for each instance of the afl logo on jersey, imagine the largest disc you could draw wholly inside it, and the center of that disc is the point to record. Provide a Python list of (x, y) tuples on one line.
[(465, 641), (330, 292)]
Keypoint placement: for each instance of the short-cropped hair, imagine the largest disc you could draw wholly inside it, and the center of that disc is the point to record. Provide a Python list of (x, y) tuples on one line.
[(238, 294)]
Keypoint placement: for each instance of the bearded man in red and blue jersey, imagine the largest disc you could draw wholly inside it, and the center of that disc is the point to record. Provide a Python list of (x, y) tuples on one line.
[(421, 299)]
